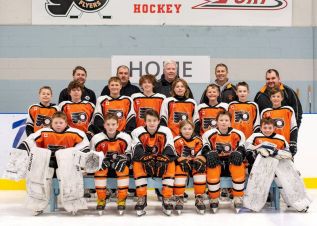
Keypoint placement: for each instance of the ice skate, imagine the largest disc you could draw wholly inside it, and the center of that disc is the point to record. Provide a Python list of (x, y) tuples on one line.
[(39, 212), (199, 204), (179, 206), (101, 204), (121, 206), (214, 204), (167, 206), (237, 203), (140, 206)]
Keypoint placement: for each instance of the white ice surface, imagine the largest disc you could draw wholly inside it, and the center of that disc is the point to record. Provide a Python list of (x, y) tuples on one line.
[(12, 212)]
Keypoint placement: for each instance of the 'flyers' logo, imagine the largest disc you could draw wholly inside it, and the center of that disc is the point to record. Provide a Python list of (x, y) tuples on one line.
[(242, 4), (63, 8)]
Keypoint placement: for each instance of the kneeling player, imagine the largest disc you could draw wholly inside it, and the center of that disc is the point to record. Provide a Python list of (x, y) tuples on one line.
[(224, 153), (190, 162), (153, 156), (115, 146)]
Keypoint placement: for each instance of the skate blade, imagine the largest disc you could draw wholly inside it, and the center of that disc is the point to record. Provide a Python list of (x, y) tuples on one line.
[(214, 210), (37, 213), (237, 209), (140, 213), (202, 212), (167, 212), (100, 212), (179, 212), (121, 212), (74, 213)]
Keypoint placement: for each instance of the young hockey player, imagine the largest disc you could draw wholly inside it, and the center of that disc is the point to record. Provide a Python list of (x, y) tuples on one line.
[(122, 106), (79, 112), (179, 107), (224, 153), (39, 115), (190, 162), (245, 114), (274, 158), (153, 156), (146, 100), (284, 117), (209, 108), (50, 152), (116, 147)]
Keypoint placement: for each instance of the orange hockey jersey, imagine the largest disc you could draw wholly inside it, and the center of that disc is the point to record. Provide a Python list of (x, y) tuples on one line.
[(258, 138), (188, 147)]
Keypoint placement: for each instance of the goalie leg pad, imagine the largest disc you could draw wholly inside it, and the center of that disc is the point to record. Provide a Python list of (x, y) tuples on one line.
[(293, 192), (17, 165), (259, 182), (38, 179), (71, 181)]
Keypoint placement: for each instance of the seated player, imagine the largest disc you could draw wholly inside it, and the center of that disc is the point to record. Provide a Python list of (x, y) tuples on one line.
[(284, 117), (121, 106), (179, 107), (224, 153), (79, 112), (146, 100), (39, 115), (190, 162), (115, 146), (153, 156), (209, 108)]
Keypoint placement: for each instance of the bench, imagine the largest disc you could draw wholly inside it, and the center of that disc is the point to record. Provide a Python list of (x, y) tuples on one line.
[(152, 183)]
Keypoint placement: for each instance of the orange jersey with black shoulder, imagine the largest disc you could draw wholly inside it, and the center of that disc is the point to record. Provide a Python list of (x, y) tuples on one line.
[(244, 116), (284, 120), (79, 114), (121, 106), (174, 111), (153, 143), (207, 115), (39, 116), (120, 144), (142, 103), (224, 144), (188, 147), (258, 138)]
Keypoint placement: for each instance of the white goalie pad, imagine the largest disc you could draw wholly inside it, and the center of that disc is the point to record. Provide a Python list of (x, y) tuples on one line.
[(17, 165), (90, 161), (71, 181), (293, 192), (259, 182), (38, 179)]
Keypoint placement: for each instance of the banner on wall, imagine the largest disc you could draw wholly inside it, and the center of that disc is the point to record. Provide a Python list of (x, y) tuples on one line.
[(163, 12), (194, 69)]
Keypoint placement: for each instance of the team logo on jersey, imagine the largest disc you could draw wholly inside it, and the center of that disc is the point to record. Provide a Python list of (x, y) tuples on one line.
[(242, 4), (223, 149), (209, 123), (180, 116), (42, 120), (279, 123), (241, 116), (118, 113), (142, 112), (74, 8), (79, 117), (87, 98)]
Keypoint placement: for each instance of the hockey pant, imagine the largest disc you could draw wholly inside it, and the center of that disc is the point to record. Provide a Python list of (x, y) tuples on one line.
[(293, 189), (38, 179), (17, 165), (140, 178), (122, 183), (181, 180), (70, 179), (259, 182), (238, 179)]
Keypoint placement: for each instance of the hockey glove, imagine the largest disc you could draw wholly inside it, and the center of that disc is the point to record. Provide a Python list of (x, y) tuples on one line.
[(212, 158), (186, 151), (185, 165), (120, 163), (250, 157), (199, 165), (236, 158), (161, 165), (148, 164), (105, 163)]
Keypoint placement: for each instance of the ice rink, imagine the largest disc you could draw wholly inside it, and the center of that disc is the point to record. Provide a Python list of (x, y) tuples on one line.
[(12, 212)]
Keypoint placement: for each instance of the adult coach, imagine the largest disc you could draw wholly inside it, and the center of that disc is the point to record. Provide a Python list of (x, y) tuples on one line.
[(79, 74), (227, 89), (123, 73), (291, 99), (164, 85)]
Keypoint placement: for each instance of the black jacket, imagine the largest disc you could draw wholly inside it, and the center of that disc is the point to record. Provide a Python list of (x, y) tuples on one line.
[(262, 98), (127, 90), (164, 87), (227, 95), (88, 95)]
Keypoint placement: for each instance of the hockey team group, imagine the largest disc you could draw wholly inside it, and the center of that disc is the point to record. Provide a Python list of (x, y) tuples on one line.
[(161, 132)]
